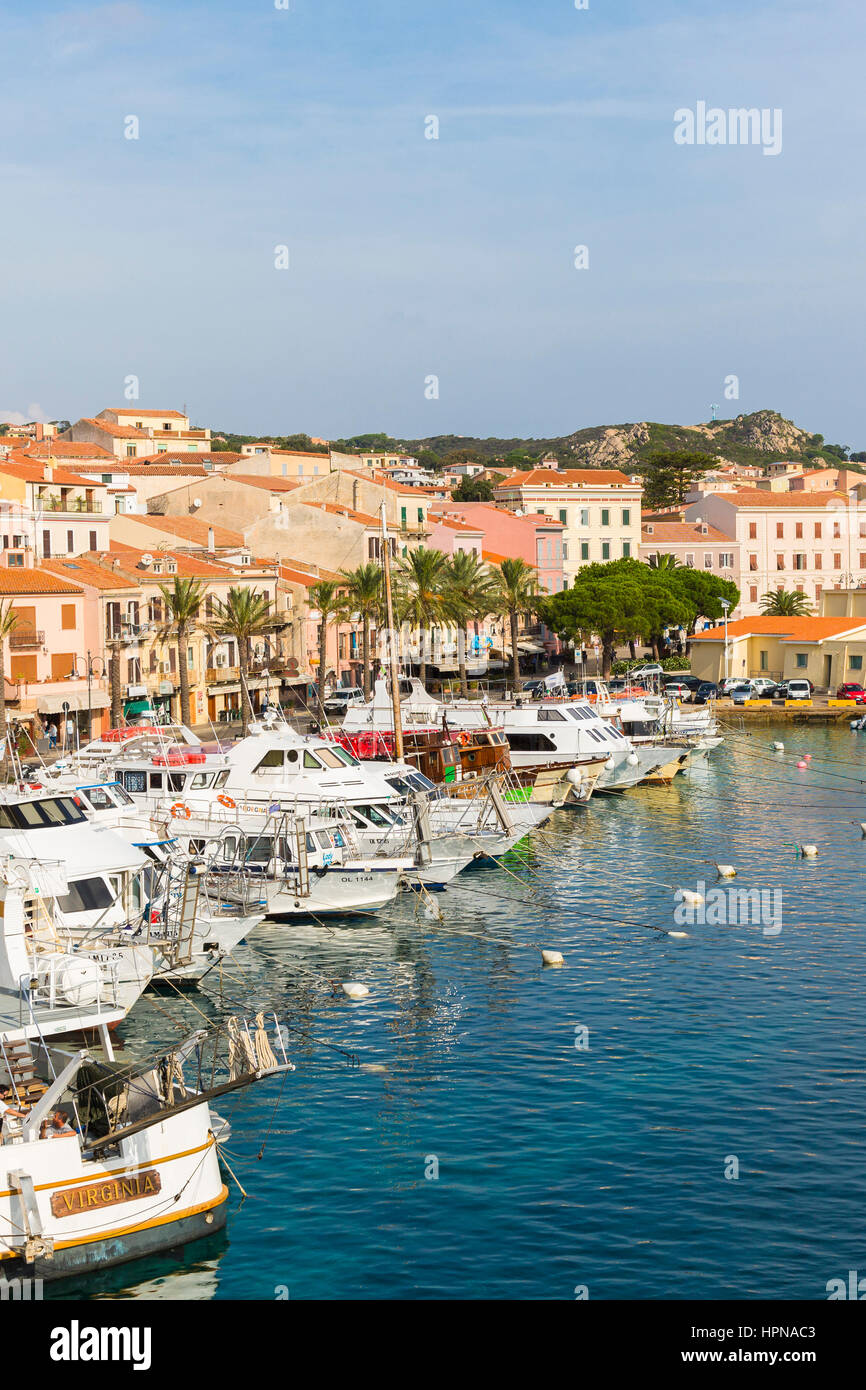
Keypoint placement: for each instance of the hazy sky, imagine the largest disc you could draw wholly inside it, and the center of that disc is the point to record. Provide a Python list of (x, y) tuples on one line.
[(411, 257)]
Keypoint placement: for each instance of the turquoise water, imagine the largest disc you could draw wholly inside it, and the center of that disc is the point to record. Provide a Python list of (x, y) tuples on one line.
[(562, 1166)]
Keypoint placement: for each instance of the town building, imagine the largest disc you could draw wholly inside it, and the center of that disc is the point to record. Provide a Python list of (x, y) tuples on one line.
[(824, 650), (600, 510), (788, 540), (692, 543)]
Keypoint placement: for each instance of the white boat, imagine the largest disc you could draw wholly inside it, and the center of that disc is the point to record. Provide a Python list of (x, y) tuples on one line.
[(136, 1169)]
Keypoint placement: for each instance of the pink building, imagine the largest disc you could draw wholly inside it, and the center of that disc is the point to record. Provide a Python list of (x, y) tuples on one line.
[(535, 538)]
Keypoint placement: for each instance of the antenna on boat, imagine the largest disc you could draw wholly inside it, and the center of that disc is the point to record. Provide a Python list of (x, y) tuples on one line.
[(392, 640)]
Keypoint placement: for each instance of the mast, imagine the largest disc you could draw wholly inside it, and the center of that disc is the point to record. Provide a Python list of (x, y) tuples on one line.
[(392, 642)]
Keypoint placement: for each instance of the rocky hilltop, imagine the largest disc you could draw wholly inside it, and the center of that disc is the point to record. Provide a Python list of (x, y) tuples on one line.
[(761, 438)]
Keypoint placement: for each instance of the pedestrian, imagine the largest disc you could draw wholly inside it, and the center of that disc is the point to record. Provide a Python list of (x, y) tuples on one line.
[(52, 736), (70, 732)]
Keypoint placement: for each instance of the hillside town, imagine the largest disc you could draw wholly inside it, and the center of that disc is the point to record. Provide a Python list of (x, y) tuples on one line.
[(103, 520)]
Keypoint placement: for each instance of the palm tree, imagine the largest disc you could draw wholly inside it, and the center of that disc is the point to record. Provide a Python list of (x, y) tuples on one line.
[(114, 683), (469, 596), (243, 615), (516, 585), (364, 592), (182, 601), (8, 622), (420, 594), (785, 603), (665, 561), (330, 599)]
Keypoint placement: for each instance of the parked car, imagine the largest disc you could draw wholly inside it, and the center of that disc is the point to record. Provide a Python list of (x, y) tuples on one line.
[(850, 690), (799, 690), (743, 692), (646, 673), (342, 698), (691, 681), (678, 690), (534, 689), (727, 683), (707, 690), (764, 687)]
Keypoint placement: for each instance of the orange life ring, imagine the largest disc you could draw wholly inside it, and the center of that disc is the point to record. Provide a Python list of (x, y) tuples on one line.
[(181, 811), (464, 738), (226, 801)]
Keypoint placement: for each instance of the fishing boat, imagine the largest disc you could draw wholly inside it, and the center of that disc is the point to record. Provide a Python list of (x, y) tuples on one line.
[(134, 1168)]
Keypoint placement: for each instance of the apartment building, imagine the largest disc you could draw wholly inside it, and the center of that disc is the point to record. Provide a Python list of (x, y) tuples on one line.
[(600, 510), (692, 543), (134, 433), (808, 541), (45, 655), (823, 649), (534, 537), (47, 510)]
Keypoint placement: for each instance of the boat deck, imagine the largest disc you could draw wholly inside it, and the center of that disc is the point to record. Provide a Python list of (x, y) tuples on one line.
[(17, 1022)]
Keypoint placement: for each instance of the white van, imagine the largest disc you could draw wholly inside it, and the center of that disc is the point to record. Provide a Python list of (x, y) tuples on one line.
[(799, 690)]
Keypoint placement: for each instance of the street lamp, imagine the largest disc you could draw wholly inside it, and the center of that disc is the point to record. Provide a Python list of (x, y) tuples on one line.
[(726, 603), (90, 673)]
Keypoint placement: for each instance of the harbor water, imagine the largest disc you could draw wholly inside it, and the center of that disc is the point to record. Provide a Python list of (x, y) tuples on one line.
[(663, 1117)]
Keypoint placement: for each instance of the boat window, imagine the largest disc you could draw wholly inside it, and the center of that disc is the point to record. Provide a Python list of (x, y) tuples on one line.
[(344, 756), (339, 841), (120, 794), (375, 815), (156, 781), (195, 846), (230, 848), (328, 757), (292, 755), (98, 798), (31, 814), (310, 760), (400, 784), (551, 714), (176, 781), (221, 779), (135, 781), (202, 779), (324, 839), (531, 743), (272, 759), (420, 782), (260, 850), (594, 733), (87, 895), (54, 812)]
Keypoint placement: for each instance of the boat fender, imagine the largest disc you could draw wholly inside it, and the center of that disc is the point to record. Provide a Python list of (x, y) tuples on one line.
[(809, 851), (552, 958)]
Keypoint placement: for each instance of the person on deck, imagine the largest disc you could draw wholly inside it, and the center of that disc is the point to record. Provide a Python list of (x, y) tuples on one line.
[(58, 1127)]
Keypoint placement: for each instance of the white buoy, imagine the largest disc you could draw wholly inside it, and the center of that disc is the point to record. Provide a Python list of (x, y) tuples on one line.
[(373, 1066), (678, 933), (553, 958), (808, 851), (726, 871), (778, 747), (355, 990), (863, 828), (688, 895)]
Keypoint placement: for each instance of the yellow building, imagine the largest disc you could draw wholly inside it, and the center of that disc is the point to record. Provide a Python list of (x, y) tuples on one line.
[(825, 650)]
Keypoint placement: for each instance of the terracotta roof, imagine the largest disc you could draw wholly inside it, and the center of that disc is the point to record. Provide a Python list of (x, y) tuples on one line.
[(806, 629), (85, 570), (679, 532), (149, 414), (33, 581), (116, 431), (69, 448), (33, 471), (188, 528), (492, 558), (760, 497), (183, 457), (155, 470), (537, 477)]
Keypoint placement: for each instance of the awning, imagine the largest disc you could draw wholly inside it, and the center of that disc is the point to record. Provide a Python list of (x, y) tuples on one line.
[(137, 707), (534, 647), (53, 704)]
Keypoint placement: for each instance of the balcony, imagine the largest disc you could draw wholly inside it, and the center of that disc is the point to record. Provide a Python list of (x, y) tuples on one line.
[(23, 637), (71, 506), (222, 673)]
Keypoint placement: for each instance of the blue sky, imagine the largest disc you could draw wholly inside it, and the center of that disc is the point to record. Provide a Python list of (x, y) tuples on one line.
[(412, 257)]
